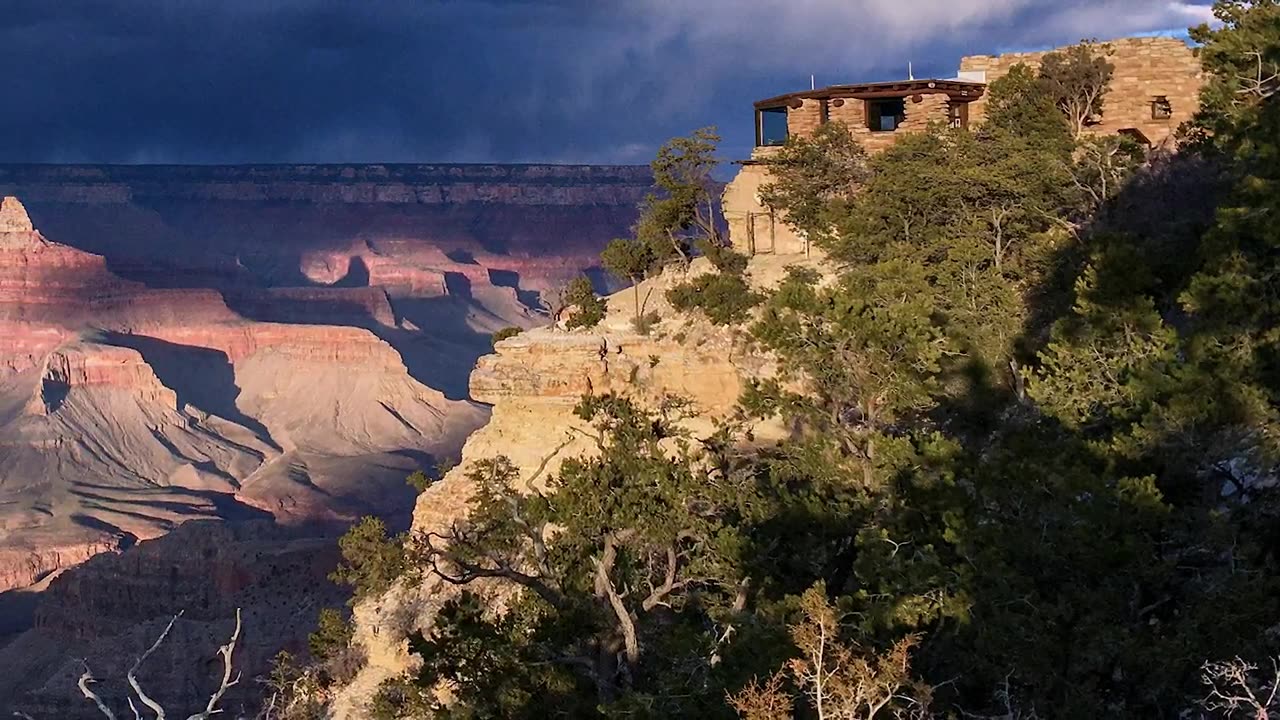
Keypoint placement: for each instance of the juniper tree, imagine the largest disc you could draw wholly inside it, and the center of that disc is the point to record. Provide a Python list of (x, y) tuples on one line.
[(814, 179), (1076, 80), (675, 218), (633, 261), (629, 566), (589, 310)]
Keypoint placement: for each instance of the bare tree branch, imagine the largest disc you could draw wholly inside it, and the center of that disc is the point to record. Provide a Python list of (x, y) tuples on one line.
[(1260, 85), (133, 671), (225, 651), (542, 466), (669, 584), (83, 684), (1236, 685), (469, 572)]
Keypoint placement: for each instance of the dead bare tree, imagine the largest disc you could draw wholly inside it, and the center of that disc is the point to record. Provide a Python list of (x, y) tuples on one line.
[(211, 708), (837, 679), (1262, 83), (555, 301), (1238, 689)]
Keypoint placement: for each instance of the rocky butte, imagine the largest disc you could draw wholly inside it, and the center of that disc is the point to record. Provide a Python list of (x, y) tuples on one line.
[(273, 347)]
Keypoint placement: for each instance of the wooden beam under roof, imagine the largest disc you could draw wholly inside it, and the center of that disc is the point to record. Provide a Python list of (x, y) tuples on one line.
[(956, 89)]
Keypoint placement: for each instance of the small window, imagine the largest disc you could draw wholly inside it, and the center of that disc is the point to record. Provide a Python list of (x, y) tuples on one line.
[(771, 126), (958, 114), (1161, 108), (886, 115)]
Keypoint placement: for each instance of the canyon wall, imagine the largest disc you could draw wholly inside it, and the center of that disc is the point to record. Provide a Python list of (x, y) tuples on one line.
[(266, 345), (106, 612), (299, 316), (202, 225), (566, 185)]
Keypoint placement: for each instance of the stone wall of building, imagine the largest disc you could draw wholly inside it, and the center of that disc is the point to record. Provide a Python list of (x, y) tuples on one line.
[(923, 110), (753, 229), (1145, 68), (852, 113), (806, 119)]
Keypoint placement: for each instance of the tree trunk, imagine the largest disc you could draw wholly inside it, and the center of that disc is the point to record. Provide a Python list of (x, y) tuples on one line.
[(605, 591)]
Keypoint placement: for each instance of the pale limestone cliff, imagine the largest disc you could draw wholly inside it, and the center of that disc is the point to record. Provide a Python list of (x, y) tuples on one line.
[(13, 217), (533, 381)]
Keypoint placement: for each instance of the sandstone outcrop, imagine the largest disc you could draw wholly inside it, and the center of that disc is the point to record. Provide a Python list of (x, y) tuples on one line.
[(533, 381), (13, 217)]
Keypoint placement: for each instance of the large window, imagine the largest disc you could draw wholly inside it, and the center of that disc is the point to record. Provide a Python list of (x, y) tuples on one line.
[(886, 115), (771, 126)]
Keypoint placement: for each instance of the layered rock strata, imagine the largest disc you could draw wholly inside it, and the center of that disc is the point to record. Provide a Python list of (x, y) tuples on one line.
[(126, 410)]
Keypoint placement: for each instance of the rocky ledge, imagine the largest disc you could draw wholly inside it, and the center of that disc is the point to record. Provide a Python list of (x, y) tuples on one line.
[(533, 381)]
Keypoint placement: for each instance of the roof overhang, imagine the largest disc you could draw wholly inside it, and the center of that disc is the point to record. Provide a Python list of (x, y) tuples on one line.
[(955, 89)]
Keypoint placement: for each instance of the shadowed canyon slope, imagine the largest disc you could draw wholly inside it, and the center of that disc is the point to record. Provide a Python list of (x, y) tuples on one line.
[(257, 342)]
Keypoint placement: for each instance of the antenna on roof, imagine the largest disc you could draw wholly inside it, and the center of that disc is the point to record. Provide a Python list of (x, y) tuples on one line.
[(813, 82), (911, 75)]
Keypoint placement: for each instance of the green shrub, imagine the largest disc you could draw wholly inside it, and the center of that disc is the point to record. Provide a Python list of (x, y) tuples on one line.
[(399, 697), (332, 635), (444, 466), (504, 333), (294, 692), (725, 299), (723, 257), (371, 561), (643, 324), (588, 310), (419, 481)]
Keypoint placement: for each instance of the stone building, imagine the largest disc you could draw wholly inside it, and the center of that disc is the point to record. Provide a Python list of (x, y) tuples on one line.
[(1155, 88)]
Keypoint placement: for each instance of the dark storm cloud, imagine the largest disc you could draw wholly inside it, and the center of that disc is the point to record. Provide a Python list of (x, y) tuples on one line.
[(469, 80)]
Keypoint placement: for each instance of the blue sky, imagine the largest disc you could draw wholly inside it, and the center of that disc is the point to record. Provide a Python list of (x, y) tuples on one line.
[(579, 81)]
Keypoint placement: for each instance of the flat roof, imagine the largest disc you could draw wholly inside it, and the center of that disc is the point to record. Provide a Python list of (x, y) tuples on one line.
[(869, 91)]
